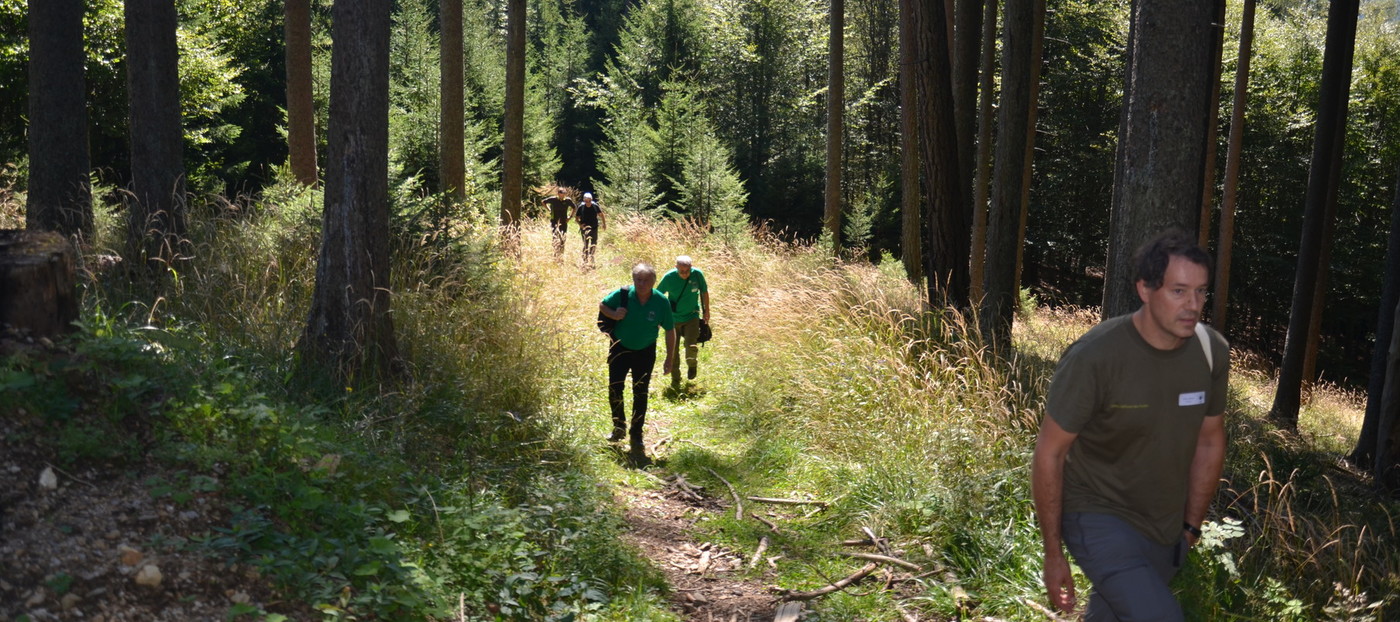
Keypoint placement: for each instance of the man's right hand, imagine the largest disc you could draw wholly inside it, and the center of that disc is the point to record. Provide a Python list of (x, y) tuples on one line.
[(1059, 583), (620, 312)]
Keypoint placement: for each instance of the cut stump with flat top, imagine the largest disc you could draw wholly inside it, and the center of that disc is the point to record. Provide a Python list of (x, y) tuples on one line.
[(38, 284)]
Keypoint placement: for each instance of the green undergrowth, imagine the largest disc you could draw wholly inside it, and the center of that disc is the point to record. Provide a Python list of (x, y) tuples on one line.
[(478, 485)]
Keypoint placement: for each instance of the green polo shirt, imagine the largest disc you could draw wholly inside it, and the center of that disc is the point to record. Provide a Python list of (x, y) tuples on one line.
[(637, 331), (688, 304)]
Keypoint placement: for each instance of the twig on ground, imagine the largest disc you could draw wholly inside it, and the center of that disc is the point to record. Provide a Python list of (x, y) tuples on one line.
[(865, 542), (738, 505), (834, 587), (771, 526), (757, 555), (1045, 610), (72, 476), (787, 501), (884, 559)]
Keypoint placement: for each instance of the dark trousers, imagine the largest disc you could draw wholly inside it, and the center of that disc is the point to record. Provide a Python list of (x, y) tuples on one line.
[(559, 228), (640, 362), (1130, 572), (590, 242)]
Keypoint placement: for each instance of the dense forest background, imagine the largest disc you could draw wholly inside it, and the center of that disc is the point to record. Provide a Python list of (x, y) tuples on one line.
[(637, 100)]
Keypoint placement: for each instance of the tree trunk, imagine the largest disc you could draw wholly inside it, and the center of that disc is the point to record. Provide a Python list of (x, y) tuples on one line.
[(1226, 243), (38, 286), (967, 43), (1365, 453), (451, 150), (1212, 125), (1014, 133), (981, 184), (911, 195), (59, 198), (514, 122), (349, 329), (301, 108), (156, 207), (1326, 157), (1387, 464), (1037, 53), (1157, 182), (835, 105), (948, 222)]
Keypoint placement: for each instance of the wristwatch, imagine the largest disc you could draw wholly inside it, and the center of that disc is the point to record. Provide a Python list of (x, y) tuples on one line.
[(1191, 529)]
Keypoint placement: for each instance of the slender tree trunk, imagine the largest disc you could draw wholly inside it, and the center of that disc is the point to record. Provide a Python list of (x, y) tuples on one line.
[(157, 206), (514, 125), (967, 43), (452, 168), (1331, 122), (301, 107), (835, 105), (1212, 126), (1226, 246), (1365, 453), (349, 329), (1013, 142), (1324, 259), (1157, 183), (59, 198), (1387, 464), (948, 223), (1037, 52), (981, 185), (911, 195)]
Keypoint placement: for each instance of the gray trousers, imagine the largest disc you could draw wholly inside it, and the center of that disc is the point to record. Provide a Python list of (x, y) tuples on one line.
[(1130, 571), (689, 332)]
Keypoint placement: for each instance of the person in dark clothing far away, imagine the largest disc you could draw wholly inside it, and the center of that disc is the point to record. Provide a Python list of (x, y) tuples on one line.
[(561, 211), (591, 220)]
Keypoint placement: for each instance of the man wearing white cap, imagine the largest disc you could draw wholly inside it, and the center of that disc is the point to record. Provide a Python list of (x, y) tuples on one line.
[(591, 220)]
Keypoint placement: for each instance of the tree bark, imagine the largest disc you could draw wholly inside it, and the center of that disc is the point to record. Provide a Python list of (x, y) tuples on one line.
[(1157, 182), (1365, 453), (301, 107), (452, 148), (1037, 54), (349, 329), (1212, 125), (513, 125), (981, 184), (1326, 158), (157, 203), (911, 195), (59, 197), (948, 222), (38, 283), (1225, 248), (1387, 464), (1014, 141), (835, 105), (967, 43)]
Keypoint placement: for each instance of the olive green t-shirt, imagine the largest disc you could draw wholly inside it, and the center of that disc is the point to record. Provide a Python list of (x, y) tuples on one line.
[(637, 331), (686, 294), (1137, 411)]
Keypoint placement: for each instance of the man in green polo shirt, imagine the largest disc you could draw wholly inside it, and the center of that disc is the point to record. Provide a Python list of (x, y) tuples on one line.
[(1133, 442), (639, 311), (685, 287)]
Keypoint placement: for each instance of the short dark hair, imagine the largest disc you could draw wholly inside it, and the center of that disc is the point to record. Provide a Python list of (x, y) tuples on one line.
[(1151, 259)]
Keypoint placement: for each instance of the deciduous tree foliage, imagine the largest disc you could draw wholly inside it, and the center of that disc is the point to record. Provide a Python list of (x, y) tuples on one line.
[(59, 198), (349, 329), (1319, 205), (1161, 143), (156, 209)]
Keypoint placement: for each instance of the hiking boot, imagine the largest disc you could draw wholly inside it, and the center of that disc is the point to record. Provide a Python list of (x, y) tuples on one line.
[(638, 454), (617, 435), (689, 372)]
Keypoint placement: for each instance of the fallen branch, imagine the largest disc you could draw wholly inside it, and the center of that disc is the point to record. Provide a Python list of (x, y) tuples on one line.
[(865, 542), (787, 501), (757, 555), (771, 526), (884, 559), (738, 505), (834, 587)]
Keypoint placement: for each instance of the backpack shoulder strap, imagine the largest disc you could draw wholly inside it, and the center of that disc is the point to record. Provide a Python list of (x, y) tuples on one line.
[(1204, 337)]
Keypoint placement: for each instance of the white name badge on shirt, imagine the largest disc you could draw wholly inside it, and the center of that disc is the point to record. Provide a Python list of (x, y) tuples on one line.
[(1191, 399)]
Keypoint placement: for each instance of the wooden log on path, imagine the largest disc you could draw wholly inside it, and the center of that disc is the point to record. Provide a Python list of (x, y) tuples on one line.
[(38, 282)]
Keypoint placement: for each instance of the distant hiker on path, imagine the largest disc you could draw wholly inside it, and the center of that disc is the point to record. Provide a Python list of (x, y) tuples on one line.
[(561, 211), (685, 287), (1133, 442), (591, 220), (638, 311)]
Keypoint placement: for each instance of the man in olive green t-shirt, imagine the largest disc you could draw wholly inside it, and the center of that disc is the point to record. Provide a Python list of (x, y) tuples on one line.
[(639, 312), (689, 294), (1133, 442)]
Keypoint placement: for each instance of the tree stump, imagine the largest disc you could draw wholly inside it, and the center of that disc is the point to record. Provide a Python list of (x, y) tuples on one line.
[(38, 286)]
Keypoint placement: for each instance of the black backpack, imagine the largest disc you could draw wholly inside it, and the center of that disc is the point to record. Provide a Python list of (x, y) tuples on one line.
[(607, 324)]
